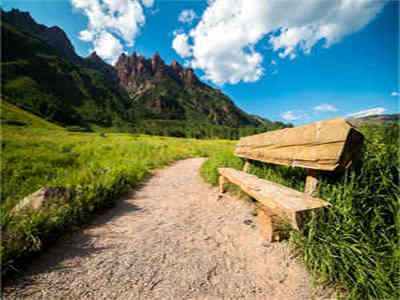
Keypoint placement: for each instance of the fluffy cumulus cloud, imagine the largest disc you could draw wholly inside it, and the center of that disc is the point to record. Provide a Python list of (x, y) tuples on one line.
[(395, 94), (368, 112), (325, 107), (181, 46), (148, 3), (223, 42), (107, 46), (293, 115), (187, 16), (109, 21)]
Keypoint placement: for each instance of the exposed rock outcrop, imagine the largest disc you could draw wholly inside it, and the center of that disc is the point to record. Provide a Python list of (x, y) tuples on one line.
[(134, 71), (43, 197)]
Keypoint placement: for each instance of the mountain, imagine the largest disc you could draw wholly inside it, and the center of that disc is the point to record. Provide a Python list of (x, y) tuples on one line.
[(54, 35), (58, 40), (375, 119), (43, 75), (174, 92), (39, 79)]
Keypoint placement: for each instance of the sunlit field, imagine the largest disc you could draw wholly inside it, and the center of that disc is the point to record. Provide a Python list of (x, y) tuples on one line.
[(101, 166)]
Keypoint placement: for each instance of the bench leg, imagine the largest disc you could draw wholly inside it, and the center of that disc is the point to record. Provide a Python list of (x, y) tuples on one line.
[(268, 225), (265, 222), (223, 182)]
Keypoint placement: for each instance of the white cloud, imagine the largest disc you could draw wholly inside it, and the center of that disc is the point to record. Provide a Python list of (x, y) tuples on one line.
[(367, 112), (293, 115), (325, 107), (148, 3), (123, 18), (181, 45), (187, 16), (86, 35), (107, 46), (394, 94), (223, 41)]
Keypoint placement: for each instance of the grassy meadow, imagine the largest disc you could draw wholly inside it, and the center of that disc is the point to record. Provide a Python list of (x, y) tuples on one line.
[(354, 245), (36, 153)]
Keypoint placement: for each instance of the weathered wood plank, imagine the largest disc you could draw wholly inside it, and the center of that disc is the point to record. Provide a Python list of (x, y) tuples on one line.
[(327, 145), (278, 198)]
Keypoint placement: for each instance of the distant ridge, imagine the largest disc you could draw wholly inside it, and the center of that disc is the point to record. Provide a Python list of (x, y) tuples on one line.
[(377, 119)]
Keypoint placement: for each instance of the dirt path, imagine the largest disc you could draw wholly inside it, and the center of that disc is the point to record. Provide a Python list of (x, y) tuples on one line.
[(171, 239)]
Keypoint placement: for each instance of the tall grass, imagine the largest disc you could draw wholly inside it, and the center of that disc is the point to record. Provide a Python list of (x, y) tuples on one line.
[(101, 167), (354, 245)]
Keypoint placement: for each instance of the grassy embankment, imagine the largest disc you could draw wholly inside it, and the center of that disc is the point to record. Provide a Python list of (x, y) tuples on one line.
[(36, 153), (355, 244)]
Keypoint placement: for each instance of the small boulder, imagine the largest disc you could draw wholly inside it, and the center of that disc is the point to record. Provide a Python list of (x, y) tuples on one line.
[(44, 197)]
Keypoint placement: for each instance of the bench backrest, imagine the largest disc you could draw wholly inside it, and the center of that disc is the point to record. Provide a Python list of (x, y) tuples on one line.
[(329, 145)]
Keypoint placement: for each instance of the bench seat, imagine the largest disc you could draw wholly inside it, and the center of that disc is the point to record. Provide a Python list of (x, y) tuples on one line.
[(322, 147), (279, 199)]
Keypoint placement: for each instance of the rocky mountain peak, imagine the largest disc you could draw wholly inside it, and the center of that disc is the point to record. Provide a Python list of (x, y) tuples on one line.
[(96, 62), (176, 66), (123, 56), (23, 20), (156, 57), (190, 77), (54, 35), (93, 57), (133, 69), (158, 67)]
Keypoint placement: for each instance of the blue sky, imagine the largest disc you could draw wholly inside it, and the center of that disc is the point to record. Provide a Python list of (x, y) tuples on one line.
[(277, 59)]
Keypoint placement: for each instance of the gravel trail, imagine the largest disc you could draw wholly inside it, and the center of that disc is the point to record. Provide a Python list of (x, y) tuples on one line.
[(172, 238)]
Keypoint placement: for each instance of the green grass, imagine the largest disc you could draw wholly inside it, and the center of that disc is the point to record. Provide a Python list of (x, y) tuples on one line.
[(11, 114), (101, 166), (354, 245)]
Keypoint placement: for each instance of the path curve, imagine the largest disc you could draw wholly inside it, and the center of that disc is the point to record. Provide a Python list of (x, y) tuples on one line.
[(171, 239)]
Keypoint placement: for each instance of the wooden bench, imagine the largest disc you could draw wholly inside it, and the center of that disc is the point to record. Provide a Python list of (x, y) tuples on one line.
[(322, 147)]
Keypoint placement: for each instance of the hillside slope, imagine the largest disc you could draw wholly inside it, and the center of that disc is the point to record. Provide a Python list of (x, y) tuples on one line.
[(375, 119), (12, 116), (43, 74), (41, 81)]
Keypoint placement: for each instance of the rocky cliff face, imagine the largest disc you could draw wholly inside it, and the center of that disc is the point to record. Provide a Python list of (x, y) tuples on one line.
[(138, 74), (174, 92)]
